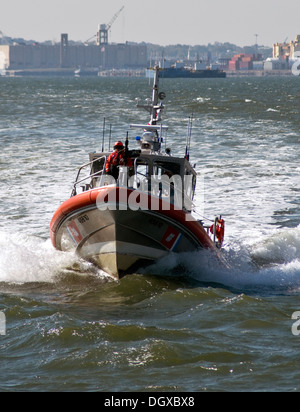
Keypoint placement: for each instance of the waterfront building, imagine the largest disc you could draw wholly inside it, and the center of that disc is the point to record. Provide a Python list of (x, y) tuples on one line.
[(64, 55), (287, 50)]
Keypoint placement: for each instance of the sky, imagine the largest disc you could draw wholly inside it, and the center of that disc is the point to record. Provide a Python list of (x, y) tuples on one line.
[(161, 22)]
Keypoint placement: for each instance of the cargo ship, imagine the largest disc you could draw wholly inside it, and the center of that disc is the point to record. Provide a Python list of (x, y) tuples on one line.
[(182, 72)]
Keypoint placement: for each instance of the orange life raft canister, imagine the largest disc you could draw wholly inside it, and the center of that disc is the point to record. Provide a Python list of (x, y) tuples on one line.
[(218, 229)]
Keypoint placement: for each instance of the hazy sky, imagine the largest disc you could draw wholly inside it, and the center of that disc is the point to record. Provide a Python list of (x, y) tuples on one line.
[(162, 22)]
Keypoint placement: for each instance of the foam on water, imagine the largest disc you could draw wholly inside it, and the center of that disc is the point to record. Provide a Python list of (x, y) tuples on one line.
[(272, 262), (26, 259)]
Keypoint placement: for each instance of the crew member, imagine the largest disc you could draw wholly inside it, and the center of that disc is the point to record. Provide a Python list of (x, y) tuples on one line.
[(115, 159)]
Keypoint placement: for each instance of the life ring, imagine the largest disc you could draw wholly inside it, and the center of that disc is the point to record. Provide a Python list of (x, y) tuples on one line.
[(218, 230)]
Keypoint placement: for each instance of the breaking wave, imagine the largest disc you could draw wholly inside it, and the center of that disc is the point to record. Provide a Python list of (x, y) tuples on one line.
[(272, 264), (29, 259)]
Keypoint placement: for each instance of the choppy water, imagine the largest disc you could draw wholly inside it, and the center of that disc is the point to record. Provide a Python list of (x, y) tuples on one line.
[(202, 327)]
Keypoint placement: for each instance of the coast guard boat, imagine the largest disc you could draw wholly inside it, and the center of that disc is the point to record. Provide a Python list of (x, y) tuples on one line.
[(126, 224)]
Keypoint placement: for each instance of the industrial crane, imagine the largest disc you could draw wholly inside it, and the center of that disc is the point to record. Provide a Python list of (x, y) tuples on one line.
[(102, 35), (114, 18), (88, 40)]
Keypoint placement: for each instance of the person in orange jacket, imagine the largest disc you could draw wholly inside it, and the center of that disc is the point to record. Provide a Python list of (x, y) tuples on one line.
[(115, 159)]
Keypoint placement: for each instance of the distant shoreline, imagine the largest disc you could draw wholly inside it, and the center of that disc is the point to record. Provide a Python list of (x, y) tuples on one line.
[(258, 73), (132, 73)]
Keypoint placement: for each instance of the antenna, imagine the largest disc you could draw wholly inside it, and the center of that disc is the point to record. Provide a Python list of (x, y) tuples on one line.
[(126, 148), (103, 134), (191, 131), (188, 138), (256, 43), (109, 140)]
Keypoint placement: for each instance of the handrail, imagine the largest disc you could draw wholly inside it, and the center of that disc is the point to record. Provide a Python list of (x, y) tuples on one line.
[(87, 177), (91, 175)]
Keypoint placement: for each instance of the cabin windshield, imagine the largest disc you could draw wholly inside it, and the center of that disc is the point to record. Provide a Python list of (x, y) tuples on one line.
[(170, 178), (142, 175), (166, 169)]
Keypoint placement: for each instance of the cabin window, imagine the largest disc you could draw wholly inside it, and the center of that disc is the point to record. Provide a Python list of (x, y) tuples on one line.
[(141, 177), (190, 185), (167, 182), (189, 190), (166, 168)]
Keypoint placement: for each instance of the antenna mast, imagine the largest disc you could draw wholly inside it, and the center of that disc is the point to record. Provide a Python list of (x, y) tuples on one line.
[(188, 138)]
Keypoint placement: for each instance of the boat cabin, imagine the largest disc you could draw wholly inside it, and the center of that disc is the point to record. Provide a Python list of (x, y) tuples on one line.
[(157, 174), (167, 177)]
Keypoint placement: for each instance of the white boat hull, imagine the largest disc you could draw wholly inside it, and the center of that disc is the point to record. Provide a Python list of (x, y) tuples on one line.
[(123, 241)]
